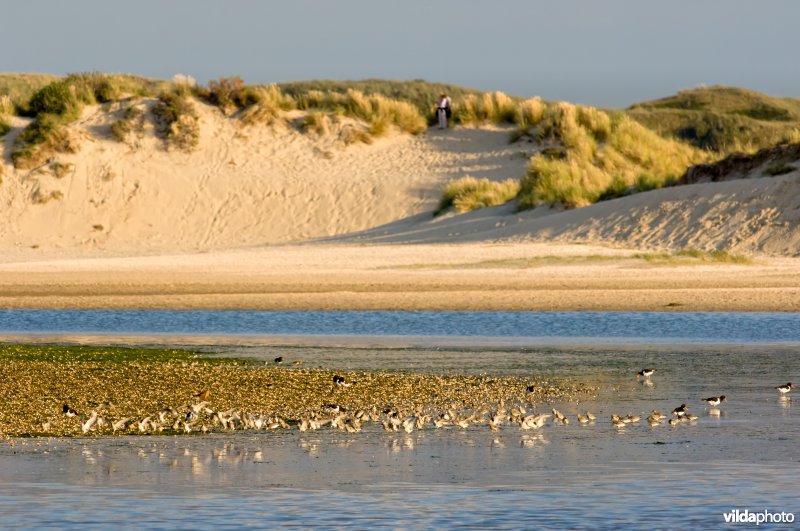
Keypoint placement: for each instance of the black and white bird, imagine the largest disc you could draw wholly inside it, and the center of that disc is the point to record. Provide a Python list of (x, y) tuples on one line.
[(279, 359), (339, 380), (783, 389), (680, 410), (68, 411), (645, 373), (714, 401)]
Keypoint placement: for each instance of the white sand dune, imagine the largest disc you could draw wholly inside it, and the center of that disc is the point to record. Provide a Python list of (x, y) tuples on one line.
[(242, 186), (248, 186)]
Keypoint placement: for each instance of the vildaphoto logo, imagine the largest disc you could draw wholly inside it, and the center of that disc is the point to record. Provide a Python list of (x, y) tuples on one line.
[(764, 517)]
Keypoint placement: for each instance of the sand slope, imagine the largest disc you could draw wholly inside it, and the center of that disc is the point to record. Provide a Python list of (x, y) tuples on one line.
[(755, 215), (243, 186)]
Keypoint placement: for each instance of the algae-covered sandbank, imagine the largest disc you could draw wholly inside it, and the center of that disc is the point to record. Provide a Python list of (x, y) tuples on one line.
[(151, 391)]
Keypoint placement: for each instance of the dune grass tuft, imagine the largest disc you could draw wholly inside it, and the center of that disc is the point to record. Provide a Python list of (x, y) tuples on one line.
[(264, 103), (5, 126), (317, 122), (602, 155), (378, 112), (121, 128), (469, 193), (178, 120), (489, 107), (36, 143)]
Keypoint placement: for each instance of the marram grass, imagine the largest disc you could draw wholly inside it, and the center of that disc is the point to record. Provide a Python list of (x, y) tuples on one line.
[(470, 193), (600, 156)]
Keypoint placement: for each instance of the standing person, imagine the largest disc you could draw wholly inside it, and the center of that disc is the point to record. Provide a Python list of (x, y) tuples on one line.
[(443, 110)]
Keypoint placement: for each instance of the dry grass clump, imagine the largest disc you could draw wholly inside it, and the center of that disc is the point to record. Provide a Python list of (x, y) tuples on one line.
[(378, 112), (6, 105), (254, 103), (61, 169), (36, 143), (529, 113), (5, 126), (126, 124), (265, 104), (601, 156), (178, 120), (317, 122), (227, 93), (492, 107), (6, 109), (40, 197), (469, 193)]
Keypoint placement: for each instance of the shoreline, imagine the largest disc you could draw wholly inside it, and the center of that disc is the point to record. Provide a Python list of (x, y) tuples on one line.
[(318, 276), (369, 342)]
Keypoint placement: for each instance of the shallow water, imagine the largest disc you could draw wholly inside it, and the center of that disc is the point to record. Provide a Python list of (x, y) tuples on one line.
[(584, 327), (562, 476)]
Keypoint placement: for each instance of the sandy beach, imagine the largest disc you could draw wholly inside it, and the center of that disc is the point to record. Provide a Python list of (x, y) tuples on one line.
[(519, 276)]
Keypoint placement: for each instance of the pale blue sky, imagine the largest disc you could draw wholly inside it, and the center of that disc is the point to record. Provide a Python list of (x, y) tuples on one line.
[(606, 53)]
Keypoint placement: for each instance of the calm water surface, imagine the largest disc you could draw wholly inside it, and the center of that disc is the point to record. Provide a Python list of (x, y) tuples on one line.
[(591, 326), (563, 476)]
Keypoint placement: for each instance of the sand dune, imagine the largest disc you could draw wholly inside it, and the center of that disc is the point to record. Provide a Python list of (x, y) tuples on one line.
[(243, 186), (254, 185)]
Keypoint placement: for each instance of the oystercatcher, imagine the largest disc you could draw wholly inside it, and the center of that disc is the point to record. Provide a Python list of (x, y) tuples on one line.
[(714, 401), (783, 389), (339, 380), (645, 373)]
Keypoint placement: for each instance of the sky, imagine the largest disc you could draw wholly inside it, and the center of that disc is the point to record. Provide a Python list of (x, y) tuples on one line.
[(607, 53)]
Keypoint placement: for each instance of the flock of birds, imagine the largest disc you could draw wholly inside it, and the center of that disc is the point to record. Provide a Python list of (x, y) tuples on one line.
[(197, 416)]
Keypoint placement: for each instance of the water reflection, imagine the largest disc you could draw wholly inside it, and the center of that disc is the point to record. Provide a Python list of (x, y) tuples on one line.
[(785, 402)]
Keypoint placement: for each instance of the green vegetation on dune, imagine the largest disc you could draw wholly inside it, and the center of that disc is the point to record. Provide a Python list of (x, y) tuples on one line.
[(5, 127), (420, 93), (177, 119), (60, 102), (469, 193), (597, 155), (262, 103), (586, 154), (722, 119), (19, 88)]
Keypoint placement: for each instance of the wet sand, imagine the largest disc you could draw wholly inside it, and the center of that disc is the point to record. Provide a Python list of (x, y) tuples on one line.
[(401, 277)]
